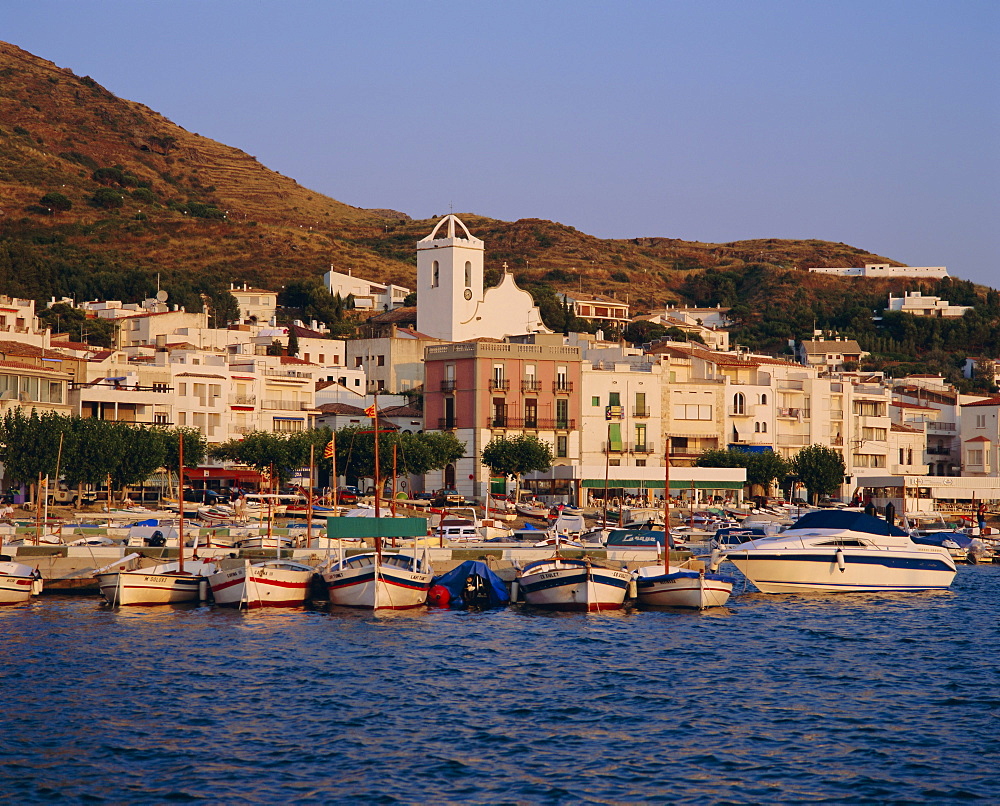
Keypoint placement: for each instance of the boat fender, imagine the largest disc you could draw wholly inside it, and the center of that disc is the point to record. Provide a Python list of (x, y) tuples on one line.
[(841, 561), (716, 560), (438, 596), (633, 588), (203, 589), (515, 590)]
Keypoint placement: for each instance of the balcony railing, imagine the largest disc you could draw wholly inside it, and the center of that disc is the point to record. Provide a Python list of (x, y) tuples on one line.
[(531, 424), (449, 385), (531, 386), (642, 448), (735, 411), (564, 387), (939, 451), (243, 400), (945, 427), (499, 384), (285, 405), (446, 424), (643, 412)]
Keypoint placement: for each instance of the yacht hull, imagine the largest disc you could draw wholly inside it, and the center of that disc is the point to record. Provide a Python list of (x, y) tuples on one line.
[(793, 570)]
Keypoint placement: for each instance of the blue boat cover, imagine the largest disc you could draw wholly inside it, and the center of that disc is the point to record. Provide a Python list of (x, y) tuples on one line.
[(455, 581), (960, 539), (843, 519), (636, 537)]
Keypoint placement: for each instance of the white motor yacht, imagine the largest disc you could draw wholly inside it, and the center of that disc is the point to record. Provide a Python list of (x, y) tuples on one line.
[(841, 550)]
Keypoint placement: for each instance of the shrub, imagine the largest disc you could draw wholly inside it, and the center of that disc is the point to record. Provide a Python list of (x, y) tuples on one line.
[(108, 198), (56, 201), (144, 194), (619, 277)]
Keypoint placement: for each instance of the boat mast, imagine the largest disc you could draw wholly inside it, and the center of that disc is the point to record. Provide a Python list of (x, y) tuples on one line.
[(607, 465), (392, 503), (180, 502), (377, 479), (309, 495), (666, 507)]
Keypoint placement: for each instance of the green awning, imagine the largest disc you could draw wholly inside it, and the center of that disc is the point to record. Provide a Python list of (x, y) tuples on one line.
[(675, 484), (376, 527)]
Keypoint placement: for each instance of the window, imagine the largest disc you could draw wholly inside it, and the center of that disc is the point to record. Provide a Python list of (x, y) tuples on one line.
[(980, 421), (615, 437), (562, 450), (531, 413), (435, 274), (562, 413), (562, 382), (763, 428), (756, 428), (358, 360), (468, 274), (873, 434), (595, 400), (499, 413), (763, 398), (739, 403), (869, 408), (640, 436), (692, 411), (614, 399), (182, 389), (380, 360), (976, 457)]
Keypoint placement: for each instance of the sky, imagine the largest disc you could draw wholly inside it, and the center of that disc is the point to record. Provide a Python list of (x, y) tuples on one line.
[(870, 122)]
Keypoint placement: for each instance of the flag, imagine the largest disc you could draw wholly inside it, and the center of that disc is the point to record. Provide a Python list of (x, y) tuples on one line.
[(370, 411), (329, 450)]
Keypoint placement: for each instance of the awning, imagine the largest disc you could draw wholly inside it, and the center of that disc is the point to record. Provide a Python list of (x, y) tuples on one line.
[(675, 484)]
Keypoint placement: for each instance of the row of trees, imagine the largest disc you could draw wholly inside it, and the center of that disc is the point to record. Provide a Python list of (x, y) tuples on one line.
[(819, 468), (85, 450), (416, 454)]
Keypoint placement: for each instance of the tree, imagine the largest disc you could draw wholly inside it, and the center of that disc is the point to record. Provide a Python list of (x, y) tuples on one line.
[(56, 201), (820, 468), (512, 457), (108, 198), (762, 468), (293, 341)]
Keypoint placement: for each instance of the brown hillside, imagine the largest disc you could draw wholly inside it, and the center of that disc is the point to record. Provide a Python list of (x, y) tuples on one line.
[(57, 129)]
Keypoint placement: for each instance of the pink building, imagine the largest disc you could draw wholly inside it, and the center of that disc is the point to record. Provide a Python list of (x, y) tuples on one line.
[(483, 388)]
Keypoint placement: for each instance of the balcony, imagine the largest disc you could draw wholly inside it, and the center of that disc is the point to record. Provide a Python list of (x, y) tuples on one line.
[(531, 424), (562, 387), (643, 412), (449, 385), (613, 447), (499, 385), (285, 405), (531, 386), (939, 451), (735, 411), (792, 414), (942, 427), (446, 424), (243, 400), (645, 448)]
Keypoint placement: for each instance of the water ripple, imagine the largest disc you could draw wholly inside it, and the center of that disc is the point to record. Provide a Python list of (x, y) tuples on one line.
[(881, 698)]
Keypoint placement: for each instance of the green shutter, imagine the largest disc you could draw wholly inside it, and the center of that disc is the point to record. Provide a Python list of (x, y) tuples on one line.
[(615, 436)]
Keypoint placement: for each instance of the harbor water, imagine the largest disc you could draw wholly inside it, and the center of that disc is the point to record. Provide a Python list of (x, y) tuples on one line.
[(856, 698)]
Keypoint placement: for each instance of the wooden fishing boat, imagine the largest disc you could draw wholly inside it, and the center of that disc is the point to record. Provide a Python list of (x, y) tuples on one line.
[(18, 582), (561, 583), (269, 583)]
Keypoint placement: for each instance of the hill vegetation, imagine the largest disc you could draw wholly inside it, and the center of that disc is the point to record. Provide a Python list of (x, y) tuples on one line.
[(102, 197)]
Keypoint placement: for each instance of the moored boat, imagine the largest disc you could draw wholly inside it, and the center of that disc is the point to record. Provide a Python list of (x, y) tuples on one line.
[(18, 582), (270, 583), (842, 550), (379, 581), (157, 585), (562, 583), (682, 587)]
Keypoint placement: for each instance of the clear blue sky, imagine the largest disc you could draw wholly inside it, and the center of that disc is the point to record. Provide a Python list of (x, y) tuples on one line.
[(872, 122)]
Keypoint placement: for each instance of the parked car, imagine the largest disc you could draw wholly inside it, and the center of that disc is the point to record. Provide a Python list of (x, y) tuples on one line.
[(207, 497), (447, 495), (348, 495), (69, 495)]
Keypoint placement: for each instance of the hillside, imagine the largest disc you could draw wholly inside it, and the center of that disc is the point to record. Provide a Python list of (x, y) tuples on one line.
[(146, 196)]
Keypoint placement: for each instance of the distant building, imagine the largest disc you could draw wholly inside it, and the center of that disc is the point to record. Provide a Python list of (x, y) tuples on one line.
[(368, 295), (257, 306), (829, 355), (885, 270), (600, 309), (915, 303)]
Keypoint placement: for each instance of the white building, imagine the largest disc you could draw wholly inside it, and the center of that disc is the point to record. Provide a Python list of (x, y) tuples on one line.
[(257, 306), (368, 295), (452, 304), (917, 304), (886, 271)]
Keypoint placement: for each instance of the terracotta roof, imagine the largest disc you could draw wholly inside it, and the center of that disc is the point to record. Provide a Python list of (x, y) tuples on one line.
[(339, 408), (906, 429), (32, 367), (900, 404), (309, 333), (417, 334), (198, 375), (978, 439), (406, 314), (291, 359), (71, 345), (990, 401), (401, 411)]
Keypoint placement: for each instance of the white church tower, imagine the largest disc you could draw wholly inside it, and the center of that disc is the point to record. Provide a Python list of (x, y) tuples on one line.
[(449, 281), (452, 304)]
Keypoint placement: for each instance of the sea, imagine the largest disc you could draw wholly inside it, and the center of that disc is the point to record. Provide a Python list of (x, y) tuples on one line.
[(850, 698)]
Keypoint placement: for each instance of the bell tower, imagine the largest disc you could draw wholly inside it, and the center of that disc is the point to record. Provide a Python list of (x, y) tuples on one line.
[(449, 281)]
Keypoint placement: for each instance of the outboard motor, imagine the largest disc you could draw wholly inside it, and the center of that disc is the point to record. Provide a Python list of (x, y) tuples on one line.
[(156, 540)]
